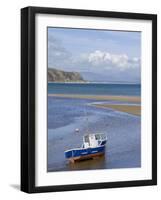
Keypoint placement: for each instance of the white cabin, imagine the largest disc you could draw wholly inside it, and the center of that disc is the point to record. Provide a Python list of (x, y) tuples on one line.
[(93, 140)]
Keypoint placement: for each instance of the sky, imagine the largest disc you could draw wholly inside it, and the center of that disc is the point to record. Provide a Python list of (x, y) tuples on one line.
[(98, 55)]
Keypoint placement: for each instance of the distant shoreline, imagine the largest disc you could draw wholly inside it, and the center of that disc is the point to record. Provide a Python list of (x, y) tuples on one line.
[(96, 82), (131, 99)]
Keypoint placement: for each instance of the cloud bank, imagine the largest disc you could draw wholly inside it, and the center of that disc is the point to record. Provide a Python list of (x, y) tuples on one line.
[(108, 60), (104, 64)]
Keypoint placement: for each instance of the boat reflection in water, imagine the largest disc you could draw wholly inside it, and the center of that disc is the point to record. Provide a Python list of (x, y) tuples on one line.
[(93, 147)]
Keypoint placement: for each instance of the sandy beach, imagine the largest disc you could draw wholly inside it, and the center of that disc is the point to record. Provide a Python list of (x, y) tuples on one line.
[(131, 99), (131, 109)]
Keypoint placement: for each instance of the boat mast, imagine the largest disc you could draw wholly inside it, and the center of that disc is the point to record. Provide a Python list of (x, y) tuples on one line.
[(87, 128)]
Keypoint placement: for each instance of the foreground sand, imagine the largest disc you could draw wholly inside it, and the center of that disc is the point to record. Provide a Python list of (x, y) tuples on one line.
[(131, 109), (131, 99)]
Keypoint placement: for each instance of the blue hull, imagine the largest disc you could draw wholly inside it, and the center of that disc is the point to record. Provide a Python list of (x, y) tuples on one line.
[(84, 153)]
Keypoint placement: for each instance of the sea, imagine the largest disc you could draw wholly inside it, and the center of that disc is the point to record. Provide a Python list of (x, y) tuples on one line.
[(123, 130), (95, 89)]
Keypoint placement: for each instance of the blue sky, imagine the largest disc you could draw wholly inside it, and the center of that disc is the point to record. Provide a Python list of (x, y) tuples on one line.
[(99, 55)]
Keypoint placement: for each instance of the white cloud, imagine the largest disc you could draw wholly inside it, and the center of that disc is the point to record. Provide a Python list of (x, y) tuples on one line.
[(108, 60), (96, 65)]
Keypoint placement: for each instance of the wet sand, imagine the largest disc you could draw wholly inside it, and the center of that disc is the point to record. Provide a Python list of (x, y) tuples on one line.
[(131, 99), (131, 109)]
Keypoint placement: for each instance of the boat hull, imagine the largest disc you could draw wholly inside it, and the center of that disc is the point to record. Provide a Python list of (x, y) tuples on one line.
[(84, 153)]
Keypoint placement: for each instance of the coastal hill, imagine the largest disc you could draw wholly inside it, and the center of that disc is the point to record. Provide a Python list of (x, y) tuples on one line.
[(55, 75)]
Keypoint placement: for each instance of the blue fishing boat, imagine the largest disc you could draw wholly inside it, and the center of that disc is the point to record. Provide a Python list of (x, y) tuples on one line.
[(93, 146)]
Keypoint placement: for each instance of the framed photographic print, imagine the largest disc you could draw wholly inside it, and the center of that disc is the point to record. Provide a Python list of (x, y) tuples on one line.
[(88, 99)]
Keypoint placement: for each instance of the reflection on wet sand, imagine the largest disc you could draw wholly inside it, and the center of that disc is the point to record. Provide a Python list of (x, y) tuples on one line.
[(90, 164)]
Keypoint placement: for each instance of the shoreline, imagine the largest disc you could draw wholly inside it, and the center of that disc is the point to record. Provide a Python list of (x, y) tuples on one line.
[(130, 99), (94, 82), (130, 109)]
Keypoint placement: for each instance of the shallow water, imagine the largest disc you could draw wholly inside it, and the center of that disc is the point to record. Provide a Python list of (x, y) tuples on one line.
[(123, 131)]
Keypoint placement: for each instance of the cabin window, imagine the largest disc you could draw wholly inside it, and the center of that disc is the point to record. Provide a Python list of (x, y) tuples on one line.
[(86, 139), (97, 137)]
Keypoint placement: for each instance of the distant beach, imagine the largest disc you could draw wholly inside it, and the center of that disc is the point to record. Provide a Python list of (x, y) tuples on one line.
[(134, 99)]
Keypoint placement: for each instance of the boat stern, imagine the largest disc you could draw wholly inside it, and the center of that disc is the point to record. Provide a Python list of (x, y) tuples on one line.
[(68, 154)]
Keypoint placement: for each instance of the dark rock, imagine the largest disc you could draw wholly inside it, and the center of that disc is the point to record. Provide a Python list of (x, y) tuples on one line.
[(55, 75)]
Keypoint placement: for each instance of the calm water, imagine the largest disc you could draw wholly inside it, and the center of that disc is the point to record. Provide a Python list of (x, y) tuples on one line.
[(95, 89), (65, 115)]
